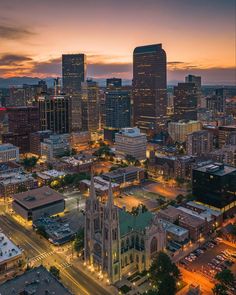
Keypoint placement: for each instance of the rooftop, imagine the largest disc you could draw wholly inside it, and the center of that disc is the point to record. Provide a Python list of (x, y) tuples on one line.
[(7, 146), (8, 249), (38, 197), (131, 132), (172, 228), (37, 281), (148, 48), (218, 169), (121, 171), (129, 222), (14, 178)]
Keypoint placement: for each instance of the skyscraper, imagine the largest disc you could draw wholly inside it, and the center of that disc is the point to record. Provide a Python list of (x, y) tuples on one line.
[(73, 72), (117, 108), (149, 88), (55, 113), (90, 106)]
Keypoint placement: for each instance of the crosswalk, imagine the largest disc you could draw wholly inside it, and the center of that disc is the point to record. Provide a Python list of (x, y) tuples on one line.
[(65, 265), (41, 256)]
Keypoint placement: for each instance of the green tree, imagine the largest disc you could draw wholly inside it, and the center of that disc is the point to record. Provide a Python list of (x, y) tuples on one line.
[(140, 207), (219, 290), (225, 277), (130, 159), (163, 273), (55, 271), (30, 162)]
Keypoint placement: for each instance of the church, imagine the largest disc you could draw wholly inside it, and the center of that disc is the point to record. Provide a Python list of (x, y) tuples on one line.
[(117, 242)]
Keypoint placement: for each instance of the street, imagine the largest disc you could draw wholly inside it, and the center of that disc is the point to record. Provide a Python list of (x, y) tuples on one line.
[(39, 250)]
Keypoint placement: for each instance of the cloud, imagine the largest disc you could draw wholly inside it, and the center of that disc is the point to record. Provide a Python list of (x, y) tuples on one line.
[(8, 32), (47, 68), (14, 59)]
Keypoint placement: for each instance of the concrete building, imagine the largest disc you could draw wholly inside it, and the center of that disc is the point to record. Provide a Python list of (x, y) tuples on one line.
[(37, 203), (199, 143), (34, 281), (80, 140), (149, 88), (117, 242), (180, 130), (14, 182), (130, 141), (54, 146), (35, 140), (10, 255), (126, 175), (8, 152), (226, 134), (101, 186), (226, 155)]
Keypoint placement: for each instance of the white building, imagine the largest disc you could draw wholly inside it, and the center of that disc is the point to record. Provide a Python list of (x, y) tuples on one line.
[(130, 141), (8, 152), (10, 254), (54, 146), (180, 130)]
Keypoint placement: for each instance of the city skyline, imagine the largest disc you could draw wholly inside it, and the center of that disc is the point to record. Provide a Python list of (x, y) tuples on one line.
[(34, 39)]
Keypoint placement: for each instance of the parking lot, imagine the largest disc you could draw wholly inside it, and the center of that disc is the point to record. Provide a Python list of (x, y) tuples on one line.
[(211, 258)]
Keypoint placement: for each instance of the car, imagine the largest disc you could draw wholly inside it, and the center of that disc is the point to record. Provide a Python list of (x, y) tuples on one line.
[(220, 258), (219, 239)]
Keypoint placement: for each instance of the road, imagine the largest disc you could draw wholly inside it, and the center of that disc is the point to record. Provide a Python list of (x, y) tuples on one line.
[(38, 250), (195, 278)]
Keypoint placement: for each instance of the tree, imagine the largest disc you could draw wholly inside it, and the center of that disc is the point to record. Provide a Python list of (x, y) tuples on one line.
[(130, 159), (219, 290), (225, 277), (55, 272), (79, 241), (163, 273), (179, 198), (140, 207), (30, 162)]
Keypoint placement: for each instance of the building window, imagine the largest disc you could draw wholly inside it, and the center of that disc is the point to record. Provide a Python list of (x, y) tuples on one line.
[(153, 246)]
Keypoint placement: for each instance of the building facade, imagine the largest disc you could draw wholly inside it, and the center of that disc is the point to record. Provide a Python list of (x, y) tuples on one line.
[(180, 130), (117, 242), (199, 143), (149, 88), (8, 152), (130, 141)]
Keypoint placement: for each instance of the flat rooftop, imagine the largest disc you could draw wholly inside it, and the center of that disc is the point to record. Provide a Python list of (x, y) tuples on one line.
[(121, 171), (37, 281), (172, 228), (14, 178), (8, 250), (38, 197), (218, 169), (6, 147)]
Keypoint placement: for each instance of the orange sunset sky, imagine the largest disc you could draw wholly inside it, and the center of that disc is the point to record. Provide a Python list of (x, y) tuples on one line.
[(198, 36)]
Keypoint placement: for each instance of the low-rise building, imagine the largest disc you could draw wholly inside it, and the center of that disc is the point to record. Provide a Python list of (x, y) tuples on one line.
[(101, 186), (126, 175), (130, 141), (77, 164), (12, 183), (35, 281), (10, 255), (37, 203), (36, 138), (8, 152), (45, 177)]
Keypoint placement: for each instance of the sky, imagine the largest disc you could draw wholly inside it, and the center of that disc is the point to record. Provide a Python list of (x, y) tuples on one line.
[(199, 36)]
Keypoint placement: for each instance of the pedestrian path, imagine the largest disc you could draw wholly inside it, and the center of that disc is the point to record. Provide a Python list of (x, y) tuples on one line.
[(41, 256)]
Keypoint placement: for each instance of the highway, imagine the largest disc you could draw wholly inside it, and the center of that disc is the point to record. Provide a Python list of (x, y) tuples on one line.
[(38, 250)]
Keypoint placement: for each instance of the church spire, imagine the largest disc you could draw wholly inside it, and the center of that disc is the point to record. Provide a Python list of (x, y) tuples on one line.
[(110, 201), (92, 193)]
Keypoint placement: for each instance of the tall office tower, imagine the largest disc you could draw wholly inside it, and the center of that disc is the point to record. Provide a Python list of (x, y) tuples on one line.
[(197, 80), (90, 106), (186, 97), (149, 88), (55, 113), (21, 122), (217, 101), (199, 143), (73, 74), (117, 108)]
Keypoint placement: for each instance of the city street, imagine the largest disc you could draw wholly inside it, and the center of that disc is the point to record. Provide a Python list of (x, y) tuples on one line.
[(39, 251)]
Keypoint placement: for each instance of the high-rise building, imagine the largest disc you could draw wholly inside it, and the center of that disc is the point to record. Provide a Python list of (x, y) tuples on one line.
[(199, 143), (35, 140), (55, 113), (226, 135), (73, 72), (197, 80), (21, 122), (186, 98), (117, 108), (217, 102), (90, 106), (149, 88), (179, 130)]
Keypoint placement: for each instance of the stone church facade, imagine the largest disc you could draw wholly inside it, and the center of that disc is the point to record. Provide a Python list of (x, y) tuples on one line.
[(117, 242)]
